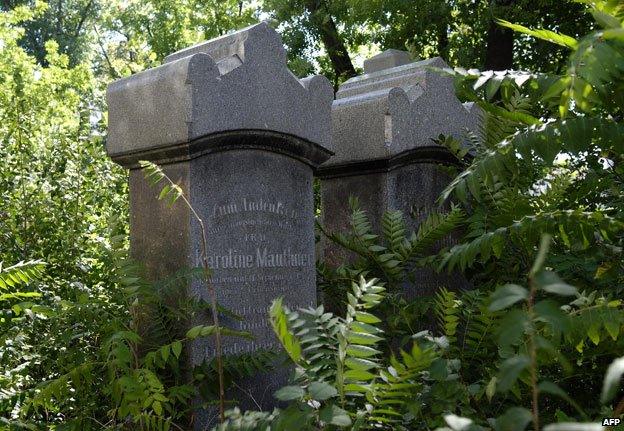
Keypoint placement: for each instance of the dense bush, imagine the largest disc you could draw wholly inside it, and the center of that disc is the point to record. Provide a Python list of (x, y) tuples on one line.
[(539, 201), (545, 173), (59, 193)]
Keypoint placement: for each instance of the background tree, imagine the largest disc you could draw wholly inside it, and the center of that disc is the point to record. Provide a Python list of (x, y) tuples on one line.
[(65, 21)]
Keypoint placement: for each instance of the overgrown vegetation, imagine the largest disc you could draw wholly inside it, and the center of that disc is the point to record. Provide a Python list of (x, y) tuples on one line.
[(546, 173), (539, 201), (346, 384)]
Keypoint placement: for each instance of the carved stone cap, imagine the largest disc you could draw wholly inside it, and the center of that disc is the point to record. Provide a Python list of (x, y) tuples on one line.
[(387, 59), (389, 111), (235, 83)]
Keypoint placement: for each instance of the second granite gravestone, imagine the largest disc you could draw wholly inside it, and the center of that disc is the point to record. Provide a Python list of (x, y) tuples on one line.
[(241, 134), (383, 123)]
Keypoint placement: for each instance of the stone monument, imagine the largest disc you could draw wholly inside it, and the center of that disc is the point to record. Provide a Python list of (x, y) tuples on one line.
[(383, 123), (241, 135)]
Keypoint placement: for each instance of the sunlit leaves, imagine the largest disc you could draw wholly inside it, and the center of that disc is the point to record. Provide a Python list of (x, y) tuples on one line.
[(281, 325), (547, 35), (170, 192), (20, 274)]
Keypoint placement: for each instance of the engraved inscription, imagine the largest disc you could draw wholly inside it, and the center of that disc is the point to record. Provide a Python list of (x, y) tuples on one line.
[(259, 256), (252, 205), (262, 258)]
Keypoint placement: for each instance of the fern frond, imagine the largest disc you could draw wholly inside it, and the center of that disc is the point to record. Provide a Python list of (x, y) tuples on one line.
[(479, 327), (393, 229), (152, 422), (573, 136), (397, 385), (447, 309), (20, 273), (282, 320), (247, 364), (435, 227), (578, 227), (358, 340), (360, 224), (319, 338)]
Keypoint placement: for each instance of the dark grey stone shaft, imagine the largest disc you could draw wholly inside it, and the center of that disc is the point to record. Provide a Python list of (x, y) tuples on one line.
[(241, 135)]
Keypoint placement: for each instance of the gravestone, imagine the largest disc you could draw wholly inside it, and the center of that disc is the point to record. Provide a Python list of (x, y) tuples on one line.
[(241, 135), (383, 123)]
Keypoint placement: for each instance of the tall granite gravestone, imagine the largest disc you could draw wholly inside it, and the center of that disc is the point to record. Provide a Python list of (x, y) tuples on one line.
[(241, 135), (382, 125)]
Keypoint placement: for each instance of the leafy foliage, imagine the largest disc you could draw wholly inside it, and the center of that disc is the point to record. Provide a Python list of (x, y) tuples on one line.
[(393, 254), (351, 386), (548, 159)]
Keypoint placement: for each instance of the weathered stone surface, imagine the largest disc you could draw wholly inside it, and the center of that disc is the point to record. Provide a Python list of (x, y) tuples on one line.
[(236, 82), (381, 114), (386, 60), (229, 122), (382, 130)]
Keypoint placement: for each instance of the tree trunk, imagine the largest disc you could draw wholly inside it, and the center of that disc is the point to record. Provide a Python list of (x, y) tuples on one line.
[(443, 42), (334, 45), (499, 51)]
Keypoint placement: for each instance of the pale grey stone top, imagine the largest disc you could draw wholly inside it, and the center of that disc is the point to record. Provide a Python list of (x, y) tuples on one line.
[(386, 60), (236, 82), (384, 113)]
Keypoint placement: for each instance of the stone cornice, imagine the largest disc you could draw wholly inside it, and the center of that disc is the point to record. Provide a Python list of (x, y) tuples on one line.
[(433, 154), (307, 152), (239, 82)]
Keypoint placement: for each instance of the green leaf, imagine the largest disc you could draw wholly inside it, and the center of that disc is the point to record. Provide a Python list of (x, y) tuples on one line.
[(359, 363), (288, 393), (510, 370), (507, 295), (593, 332), (362, 316), (362, 338), (279, 321), (164, 192), (551, 283), (512, 327), (164, 352), (321, 391), (548, 35), (359, 375), (157, 407), (334, 415), (514, 419), (438, 369), (194, 332), (490, 389), (176, 347), (606, 20), (612, 380), (358, 351), (613, 328), (550, 312)]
